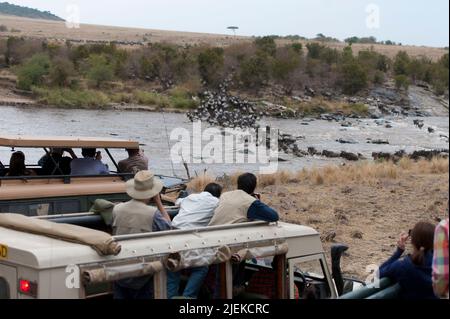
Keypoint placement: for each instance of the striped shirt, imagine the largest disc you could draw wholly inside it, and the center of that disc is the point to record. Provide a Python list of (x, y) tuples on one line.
[(440, 259)]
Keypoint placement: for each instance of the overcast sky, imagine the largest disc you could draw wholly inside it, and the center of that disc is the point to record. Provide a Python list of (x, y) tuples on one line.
[(417, 22)]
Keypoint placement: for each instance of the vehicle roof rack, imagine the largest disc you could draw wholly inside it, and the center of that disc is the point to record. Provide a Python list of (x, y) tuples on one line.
[(66, 142)]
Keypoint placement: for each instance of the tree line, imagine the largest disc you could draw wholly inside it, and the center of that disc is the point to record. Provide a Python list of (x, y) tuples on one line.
[(252, 66)]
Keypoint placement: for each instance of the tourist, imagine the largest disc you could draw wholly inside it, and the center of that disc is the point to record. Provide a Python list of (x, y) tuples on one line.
[(135, 162), (17, 166), (413, 272), (440, 260), (90, 164), (242, 205), (195, 212), (54, 163), (134, 217)]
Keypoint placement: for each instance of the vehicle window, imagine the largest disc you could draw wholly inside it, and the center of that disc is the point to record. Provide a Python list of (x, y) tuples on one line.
[(19, 208), (42, 209), (310, 280), (67, 207), (4, 289)]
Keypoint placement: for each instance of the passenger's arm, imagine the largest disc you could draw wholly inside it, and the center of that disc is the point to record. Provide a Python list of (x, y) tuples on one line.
[(389, 268), (393, 265), (161, 208), (260, 211), (440, 278), (160, 223)]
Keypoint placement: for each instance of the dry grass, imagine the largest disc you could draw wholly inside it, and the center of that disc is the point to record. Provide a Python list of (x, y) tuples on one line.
[(369, 173), (199, 183)]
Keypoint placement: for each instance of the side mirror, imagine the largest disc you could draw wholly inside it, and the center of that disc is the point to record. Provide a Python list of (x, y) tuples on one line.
[(336, 254)]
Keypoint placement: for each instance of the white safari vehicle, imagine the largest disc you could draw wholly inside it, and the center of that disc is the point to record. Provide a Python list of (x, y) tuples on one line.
[(42, 258)]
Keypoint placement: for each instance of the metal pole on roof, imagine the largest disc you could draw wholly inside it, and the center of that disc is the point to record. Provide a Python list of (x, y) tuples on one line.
[(112, 160)]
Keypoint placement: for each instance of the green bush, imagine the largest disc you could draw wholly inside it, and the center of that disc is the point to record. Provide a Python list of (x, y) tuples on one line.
[(210, 64), (298, 47), (378, 77), (314, 50), (402, 82), (353, 77), (266, 45), (100, 70), (254, 71), (33, 71), (285, 63), (71, 98), (401, 63), (60, 72)]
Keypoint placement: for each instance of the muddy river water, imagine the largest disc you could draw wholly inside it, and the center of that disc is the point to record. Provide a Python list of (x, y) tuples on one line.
[(152, 131)]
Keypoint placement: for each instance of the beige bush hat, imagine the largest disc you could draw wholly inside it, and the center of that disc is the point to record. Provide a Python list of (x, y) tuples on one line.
[(144, 185)]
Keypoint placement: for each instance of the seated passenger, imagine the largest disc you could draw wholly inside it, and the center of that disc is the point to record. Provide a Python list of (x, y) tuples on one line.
[(90, 164), (51, 162), (413, 272), (242, 205), (135, 162), (196, 211), (17, 166), (134, 217)]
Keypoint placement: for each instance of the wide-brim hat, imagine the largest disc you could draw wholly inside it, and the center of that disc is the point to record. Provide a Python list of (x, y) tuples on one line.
[(145, 185)]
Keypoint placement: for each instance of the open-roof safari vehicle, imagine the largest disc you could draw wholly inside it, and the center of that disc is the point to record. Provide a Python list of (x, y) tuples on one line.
[(42, 258), (42, 195)]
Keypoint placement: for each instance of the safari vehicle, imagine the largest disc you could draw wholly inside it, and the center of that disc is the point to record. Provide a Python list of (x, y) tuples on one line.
[(59, 194), (34, 264)]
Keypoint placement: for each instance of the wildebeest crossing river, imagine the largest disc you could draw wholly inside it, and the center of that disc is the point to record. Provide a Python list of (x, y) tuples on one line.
[(153, 129)]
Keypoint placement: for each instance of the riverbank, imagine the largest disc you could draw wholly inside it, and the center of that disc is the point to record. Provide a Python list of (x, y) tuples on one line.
[(365, 206), (376, 102)]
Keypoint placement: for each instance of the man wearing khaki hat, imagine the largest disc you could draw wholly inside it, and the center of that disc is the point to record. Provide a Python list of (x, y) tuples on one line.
[(135, 217)]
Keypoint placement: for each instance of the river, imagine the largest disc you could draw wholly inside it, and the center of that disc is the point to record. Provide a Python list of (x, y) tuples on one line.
[(152, 131)]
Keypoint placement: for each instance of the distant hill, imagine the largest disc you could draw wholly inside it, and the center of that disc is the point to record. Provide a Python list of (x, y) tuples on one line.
[(14, 10)]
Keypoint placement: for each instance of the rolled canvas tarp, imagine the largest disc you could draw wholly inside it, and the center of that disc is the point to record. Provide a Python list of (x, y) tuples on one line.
[(101, 242), (113, 273), (197, 258), (259, 252)]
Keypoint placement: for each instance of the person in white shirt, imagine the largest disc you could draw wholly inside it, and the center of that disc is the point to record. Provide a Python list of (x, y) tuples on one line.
[(196, 211)]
